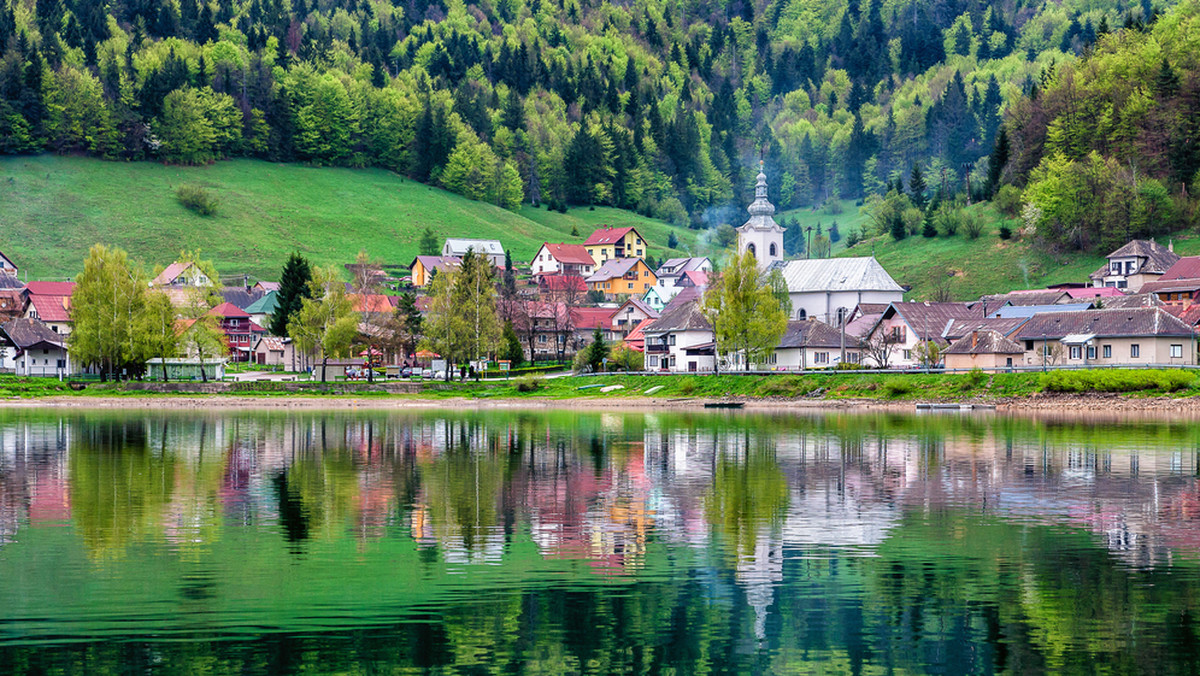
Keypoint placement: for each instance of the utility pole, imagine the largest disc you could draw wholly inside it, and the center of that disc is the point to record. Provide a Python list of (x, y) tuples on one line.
[(808, 242)]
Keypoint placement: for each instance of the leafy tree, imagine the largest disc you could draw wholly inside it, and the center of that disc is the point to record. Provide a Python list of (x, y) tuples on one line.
[(109, 299), (746, 316), (156, 329), (293, 289), (203, 339), (326, 324), (474, 291), (407, 324), (626, 358), (445, 327)]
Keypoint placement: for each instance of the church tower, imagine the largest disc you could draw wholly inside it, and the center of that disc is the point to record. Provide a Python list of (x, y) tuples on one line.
[(761, 235)]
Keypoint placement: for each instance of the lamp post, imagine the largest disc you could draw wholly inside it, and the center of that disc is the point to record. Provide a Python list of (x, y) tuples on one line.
[(808, 242)]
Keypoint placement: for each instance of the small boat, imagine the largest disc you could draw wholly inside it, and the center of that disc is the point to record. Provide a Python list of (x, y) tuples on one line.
[(724, 404)]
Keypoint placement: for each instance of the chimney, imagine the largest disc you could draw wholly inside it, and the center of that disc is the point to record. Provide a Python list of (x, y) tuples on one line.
[(1171, 245), (974, 339)]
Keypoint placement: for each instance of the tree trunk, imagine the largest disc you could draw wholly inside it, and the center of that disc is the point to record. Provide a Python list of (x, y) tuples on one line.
[(324, 366)]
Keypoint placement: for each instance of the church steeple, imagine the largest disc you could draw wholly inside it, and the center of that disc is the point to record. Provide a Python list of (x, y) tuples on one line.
[(761, 206), (761, 235)]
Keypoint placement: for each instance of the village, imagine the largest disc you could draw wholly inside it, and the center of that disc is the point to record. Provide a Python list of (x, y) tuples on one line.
[(1139, 310)]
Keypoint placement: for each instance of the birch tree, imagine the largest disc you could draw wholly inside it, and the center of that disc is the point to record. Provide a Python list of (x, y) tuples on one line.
[(747, 317)]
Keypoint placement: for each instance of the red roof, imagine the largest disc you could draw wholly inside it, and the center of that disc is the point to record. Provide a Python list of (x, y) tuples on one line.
[(697, 277), (50, 288), (168, 275), (1095, 292), (591, 317), (1184, 268), (636, 340), (228, 310), (575, 254), (52, 308), (562, 283), (607, 236), (371, 303), (1189, 314)]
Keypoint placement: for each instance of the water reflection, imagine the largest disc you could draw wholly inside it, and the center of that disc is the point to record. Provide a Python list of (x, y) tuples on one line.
[(562, 540)]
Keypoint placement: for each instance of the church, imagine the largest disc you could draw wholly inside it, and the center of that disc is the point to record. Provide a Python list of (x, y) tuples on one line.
[(826, 289)]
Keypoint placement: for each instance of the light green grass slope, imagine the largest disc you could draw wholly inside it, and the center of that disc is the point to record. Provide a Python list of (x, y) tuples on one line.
[(52, 209)]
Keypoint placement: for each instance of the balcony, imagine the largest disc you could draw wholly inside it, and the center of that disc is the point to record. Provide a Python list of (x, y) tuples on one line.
[(657, 348)]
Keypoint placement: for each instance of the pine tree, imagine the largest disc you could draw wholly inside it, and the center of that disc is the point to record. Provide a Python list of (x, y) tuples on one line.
[(428, 246), (672, 241), (834, 235), (293, 289), (916, 186)]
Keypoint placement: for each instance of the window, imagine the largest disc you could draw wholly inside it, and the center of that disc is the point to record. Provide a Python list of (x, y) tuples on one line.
[(639, 252), (1074, 352), (630, 286), (820, 357), (1091, 352), (671, 339), (750, 248), (1135, 351), (1122, 284), (1176, 351), (802, 314), (908, 354), (541, 339), (1107, 351), (774, 251), (652, 362), (1029, 345), (1115, 268)]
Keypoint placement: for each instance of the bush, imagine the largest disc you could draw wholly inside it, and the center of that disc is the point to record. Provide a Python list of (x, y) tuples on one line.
[(529, 384), (897, 386), (688, 386), (786, 386), (972, 225), (1008, 201), (1116, 381), (833, 205), (198, 199), (1005, 232), (973, 380)]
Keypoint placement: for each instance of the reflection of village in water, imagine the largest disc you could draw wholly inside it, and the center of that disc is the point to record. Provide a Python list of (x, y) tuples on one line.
[(597, 489)]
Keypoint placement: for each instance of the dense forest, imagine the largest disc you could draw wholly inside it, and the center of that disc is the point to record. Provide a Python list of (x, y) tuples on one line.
[(660, 106)]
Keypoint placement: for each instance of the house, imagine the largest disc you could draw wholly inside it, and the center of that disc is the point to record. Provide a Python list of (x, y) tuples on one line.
[(240, 332), (988, 350), (1005, 326), (423, 268), (34, 349), (655, 300), (12, 297), (50, 302), (761, 236), (893, 341), (828, 288), (667, 288), (1121, 336), (263, 309), (810, 344), (681, 340), (636, 340), (622, 277), (673, 268), (277, 351), (266, 287), (1179, 285), (628, 315), (241, 296), (563, 259), (585, 321), (557, 284), (183, 273), (1131, 266), (7, 267), (491, 249), (608, 243)]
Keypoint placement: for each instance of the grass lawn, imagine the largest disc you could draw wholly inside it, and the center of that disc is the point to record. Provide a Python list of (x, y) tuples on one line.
[(54, 208), (851, 219)]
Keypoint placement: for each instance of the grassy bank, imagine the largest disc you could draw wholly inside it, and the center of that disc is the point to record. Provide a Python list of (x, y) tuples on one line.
[(60, 206), (832, 386)]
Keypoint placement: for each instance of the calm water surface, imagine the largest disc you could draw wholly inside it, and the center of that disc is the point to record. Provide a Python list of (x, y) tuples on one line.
[(567, 542)]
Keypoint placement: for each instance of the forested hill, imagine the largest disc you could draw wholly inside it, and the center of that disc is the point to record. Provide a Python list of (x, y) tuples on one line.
[(656, 105)]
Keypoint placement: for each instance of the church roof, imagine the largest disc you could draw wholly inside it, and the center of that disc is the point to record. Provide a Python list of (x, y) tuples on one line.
[(837, 274)]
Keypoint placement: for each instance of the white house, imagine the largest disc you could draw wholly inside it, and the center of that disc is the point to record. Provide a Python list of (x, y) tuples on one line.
[(7, 266), (810, 344), (628, 315), (681, 340), (564, 259), (893, 340), (1131, 266), (761, 235), (491, 248), (181, 274), (34, 350), (827, 288)]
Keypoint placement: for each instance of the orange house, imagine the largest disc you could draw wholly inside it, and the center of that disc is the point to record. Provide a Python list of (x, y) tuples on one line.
[(622, 277), (423, 267)]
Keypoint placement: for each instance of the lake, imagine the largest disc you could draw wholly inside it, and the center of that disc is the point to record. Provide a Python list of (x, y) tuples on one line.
[(549, 542)]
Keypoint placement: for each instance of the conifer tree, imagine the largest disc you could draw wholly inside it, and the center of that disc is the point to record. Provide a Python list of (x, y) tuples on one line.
[(293, 289)]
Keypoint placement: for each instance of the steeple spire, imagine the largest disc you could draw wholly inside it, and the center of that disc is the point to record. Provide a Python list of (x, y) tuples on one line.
[(761, 206)]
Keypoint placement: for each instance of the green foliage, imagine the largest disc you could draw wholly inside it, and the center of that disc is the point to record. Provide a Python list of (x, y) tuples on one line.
[(293, 289), (106, 307), (747, 316), (197, 198), (529, 384), (897, 386), (624, 358), (326, 324), (1113, 380), (511, 347), (1004, 232)]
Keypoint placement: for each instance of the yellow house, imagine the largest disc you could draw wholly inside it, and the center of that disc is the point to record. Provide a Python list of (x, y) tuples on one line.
[(606, 244), (423, 267), (622, 277)]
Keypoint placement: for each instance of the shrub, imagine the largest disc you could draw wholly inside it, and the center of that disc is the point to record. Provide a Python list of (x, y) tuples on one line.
[(973, 380), (688, 386), (529, 384), (1008, 201), (897, 386), (1005, 232), (1116, 381), (786, 386), (972, 225), (198, 199), (833, 205)]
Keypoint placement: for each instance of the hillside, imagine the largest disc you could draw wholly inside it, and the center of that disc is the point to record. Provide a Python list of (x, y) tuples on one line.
[(54, 208)]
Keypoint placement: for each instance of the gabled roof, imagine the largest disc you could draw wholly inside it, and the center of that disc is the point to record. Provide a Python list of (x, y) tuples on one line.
[(957, 328), (1187, 267), (240, 296), (613, 268), (688, 295), (438, 263), (267, 286), (562, 283), (52, 308), (686, 316), (10, 281), (640, 305), (591, 317), (812, 333), (1119, 323), (228, 311), (459, 246), (1154, 258), (272, 343), (265, 305), (8, 260), (607, 235), (837, 274), (50, 288), (928, 320), (985, 342), (1188, 314), (573, 254), (1177, 285), (1132, 300), (171, 272), (1031, 310), (677, 266), (373, 302), (25, 333), (693, 278)]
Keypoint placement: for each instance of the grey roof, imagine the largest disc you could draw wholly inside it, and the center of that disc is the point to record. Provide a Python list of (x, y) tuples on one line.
[(957, 328), (1180, 285), (613, 268), (682, 317), (1023, 298), (929, 320), (1118, 323), (1031, 310), (812, 333), (25, 333), (10, 281), (689, 294), (1153, 258), (673, 267), (240, 296), (641, 306), (837, 274), (985, 342), (459, 247), (1132, 300)]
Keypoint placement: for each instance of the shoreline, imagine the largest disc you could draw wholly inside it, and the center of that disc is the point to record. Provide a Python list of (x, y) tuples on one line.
[(1080, 404)]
